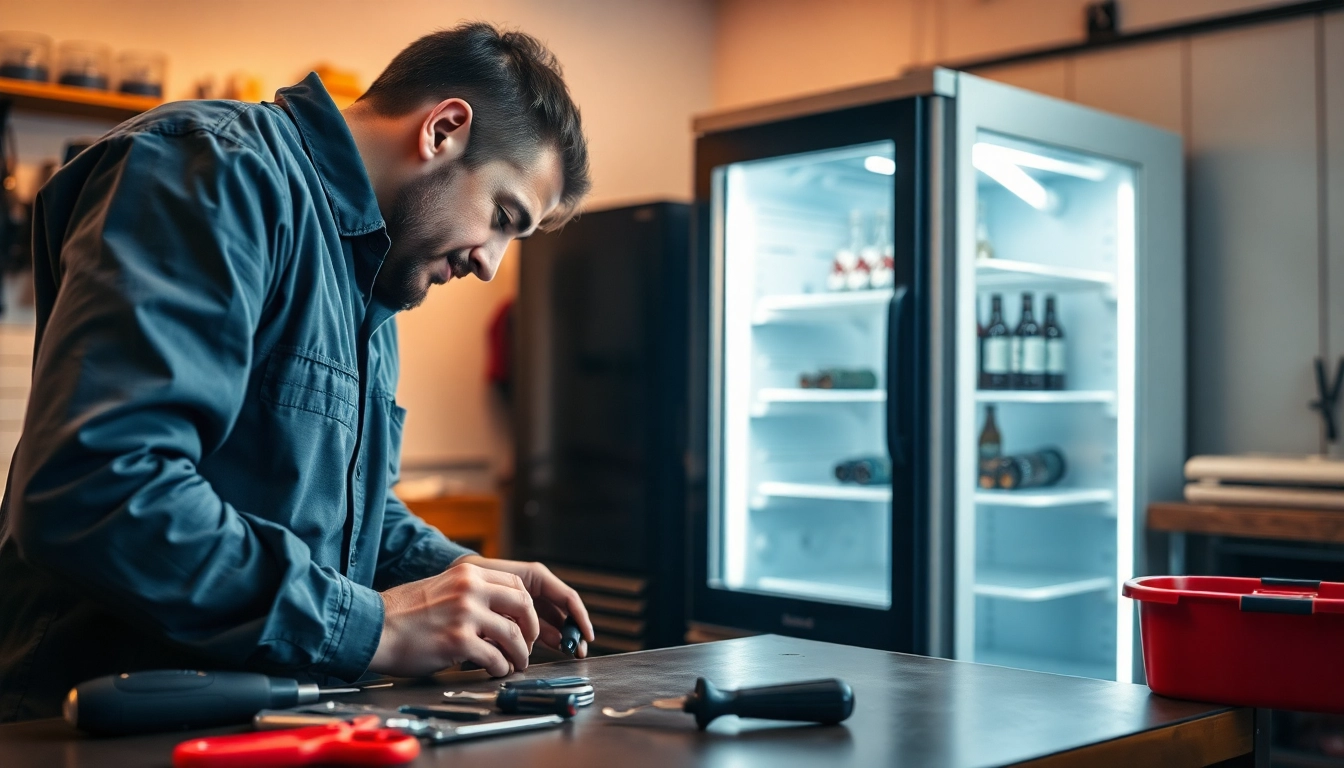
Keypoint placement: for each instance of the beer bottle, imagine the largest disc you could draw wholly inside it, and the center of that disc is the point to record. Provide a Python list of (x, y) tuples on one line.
[(998, 348), (991, 447), (1054, 347), (1028, 350), (1031, 470)]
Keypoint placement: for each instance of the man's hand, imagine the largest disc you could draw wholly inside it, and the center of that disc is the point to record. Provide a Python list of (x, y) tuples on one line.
[(553, 598), (466, 613)]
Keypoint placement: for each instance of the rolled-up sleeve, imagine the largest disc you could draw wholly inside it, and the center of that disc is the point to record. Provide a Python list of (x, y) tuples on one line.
[(142, 368)]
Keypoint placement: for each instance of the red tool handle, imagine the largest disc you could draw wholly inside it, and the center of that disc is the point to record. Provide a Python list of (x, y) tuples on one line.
[(359, 743)]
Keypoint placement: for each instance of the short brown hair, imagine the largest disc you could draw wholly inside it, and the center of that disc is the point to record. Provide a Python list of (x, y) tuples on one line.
[(519, 100)]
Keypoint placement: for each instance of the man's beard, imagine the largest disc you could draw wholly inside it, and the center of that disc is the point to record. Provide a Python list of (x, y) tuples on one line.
[(413, 229)]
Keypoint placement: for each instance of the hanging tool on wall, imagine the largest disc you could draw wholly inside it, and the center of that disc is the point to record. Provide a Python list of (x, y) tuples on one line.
[(1327, 394)]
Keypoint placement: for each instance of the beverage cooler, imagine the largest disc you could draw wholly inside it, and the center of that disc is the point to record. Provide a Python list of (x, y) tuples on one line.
[(878, 457)]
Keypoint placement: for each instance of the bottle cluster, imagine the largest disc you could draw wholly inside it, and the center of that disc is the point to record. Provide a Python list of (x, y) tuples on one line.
[(1037, 469), (869, 261), (1031, 356)]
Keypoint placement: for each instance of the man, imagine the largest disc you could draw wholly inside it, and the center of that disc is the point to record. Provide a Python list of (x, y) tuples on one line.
[(204, 478)]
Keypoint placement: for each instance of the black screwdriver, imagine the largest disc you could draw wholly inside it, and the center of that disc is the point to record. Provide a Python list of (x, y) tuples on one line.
[(814, 701), (570, 634), (172, 699)]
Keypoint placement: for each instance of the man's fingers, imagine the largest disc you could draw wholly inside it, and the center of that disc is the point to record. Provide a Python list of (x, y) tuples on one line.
[(508, 638), (503, 578), (490, 658), (517, 605), (549, 637), (564, 596), (547, 612)]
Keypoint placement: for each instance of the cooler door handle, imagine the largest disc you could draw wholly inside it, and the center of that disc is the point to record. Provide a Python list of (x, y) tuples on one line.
[(896, 367)]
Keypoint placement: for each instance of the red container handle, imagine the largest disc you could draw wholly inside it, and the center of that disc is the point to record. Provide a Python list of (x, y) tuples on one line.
[(1270, 595)]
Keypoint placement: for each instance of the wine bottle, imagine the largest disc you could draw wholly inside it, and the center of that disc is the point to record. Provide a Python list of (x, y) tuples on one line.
[(846, 259), (998, 348), (1028, 350), (877, 254), (1054, 347), (858, 277), (982, 377)]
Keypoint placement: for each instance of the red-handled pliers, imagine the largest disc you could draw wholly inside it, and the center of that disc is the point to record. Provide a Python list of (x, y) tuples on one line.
[(359, 742)]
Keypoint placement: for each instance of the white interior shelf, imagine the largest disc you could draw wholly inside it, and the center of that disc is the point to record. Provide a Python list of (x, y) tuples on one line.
[(1047, 497), (781, 395), (995, 274), (1035, 586), (819, 305), (832, 491), (863, 587), (1045, 396), (1051, 664)]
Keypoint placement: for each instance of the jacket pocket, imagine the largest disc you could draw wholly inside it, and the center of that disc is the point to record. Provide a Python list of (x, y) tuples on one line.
[(296, 378)]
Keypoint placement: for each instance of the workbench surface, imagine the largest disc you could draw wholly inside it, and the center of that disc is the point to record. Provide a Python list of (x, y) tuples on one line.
[(909, 711)]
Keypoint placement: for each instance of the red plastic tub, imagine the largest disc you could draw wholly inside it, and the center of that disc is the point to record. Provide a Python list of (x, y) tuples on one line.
[(1275, 643)]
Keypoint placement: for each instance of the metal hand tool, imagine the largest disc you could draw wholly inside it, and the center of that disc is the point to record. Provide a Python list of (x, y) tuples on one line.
[(814, 701), (514, 701), (432, 730), (172, 699)]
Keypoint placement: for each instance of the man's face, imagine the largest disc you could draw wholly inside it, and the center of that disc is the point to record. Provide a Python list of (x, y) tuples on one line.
[(458, 221)]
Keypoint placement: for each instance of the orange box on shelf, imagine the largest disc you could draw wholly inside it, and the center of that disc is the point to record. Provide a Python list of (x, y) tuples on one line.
[(472, 520)]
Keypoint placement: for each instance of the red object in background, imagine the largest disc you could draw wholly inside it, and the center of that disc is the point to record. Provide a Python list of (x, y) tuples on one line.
[(1272, 643), (360, 742), (499, 351)]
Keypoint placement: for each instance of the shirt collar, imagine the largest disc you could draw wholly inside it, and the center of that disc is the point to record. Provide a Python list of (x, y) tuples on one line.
[(332, 149)]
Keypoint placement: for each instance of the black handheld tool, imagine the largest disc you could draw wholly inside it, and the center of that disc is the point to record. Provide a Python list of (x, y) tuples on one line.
[(569, 636), (512, 701), (815, 701), (520, 701), (546, 684), (171, 699)]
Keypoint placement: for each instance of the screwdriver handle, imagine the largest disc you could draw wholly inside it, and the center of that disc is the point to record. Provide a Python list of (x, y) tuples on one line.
[(570, 634), (814, 701), (515, 701), (172, 699)]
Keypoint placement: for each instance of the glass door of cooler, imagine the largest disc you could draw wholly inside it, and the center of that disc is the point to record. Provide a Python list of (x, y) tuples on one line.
[(1045, 417), (802, 508)]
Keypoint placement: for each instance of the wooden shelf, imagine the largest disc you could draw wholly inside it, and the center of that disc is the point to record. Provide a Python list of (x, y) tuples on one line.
[(68, 100), (1248, 522)]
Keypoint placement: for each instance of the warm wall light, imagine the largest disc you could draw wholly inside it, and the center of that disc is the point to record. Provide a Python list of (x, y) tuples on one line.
[(878, 164), (1012, 177)]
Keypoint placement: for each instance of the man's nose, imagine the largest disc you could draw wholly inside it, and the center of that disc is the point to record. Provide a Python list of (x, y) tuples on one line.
[(485, 261)]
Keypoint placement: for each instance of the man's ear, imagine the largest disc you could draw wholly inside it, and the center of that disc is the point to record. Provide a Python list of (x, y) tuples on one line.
[(445, 131)]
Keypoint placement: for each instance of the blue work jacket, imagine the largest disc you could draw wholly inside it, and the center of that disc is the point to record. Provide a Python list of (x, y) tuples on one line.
[(204, 478)]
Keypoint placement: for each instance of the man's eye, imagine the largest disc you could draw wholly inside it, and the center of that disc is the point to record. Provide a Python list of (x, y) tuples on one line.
[(502, 218)]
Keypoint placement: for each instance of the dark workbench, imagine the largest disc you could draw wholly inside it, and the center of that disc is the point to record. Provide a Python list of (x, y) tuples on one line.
[(909, 711)]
